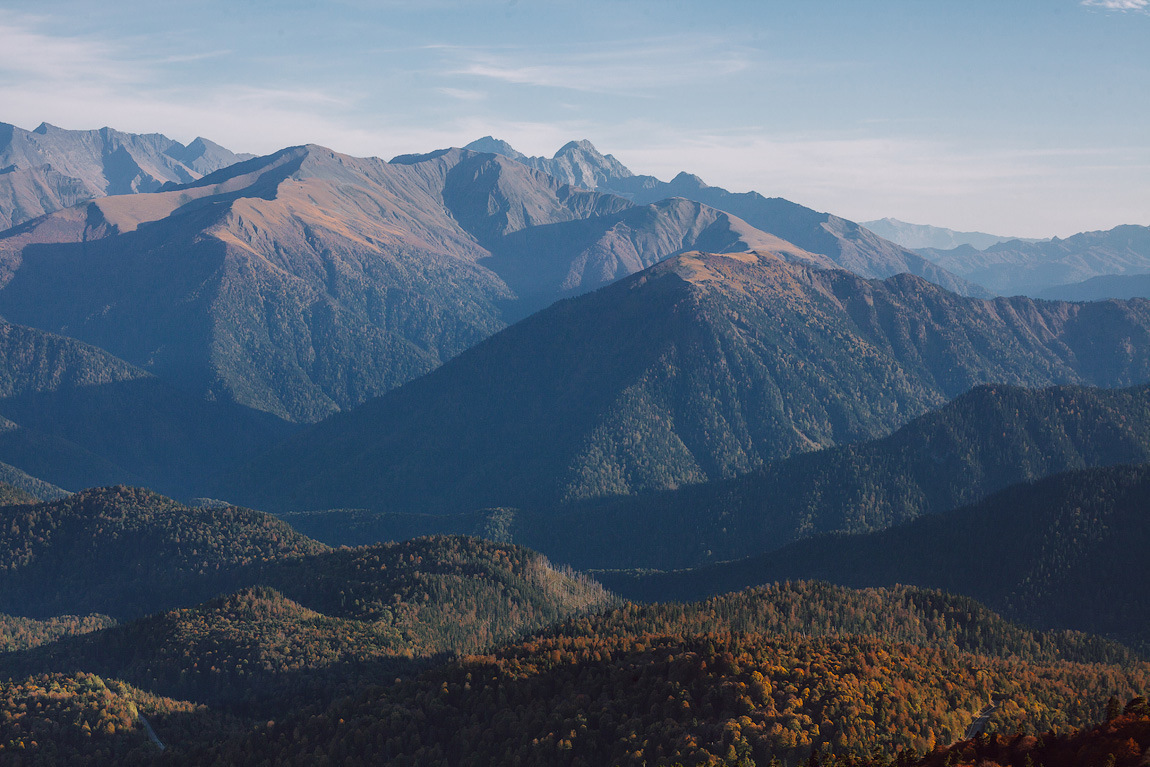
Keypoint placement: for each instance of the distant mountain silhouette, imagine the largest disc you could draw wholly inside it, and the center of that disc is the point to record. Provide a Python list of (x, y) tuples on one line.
[(1018, 267), (1121, 286), (915, 236)]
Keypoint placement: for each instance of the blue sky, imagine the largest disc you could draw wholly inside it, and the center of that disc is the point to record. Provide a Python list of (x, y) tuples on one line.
[(1027, 117)]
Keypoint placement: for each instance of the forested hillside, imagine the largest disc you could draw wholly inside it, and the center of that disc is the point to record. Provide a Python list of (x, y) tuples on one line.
[(1060, 552), (629, 696), (1121, 740), (983, 441), (702, 367), (23, 633), (906, 614), (79, 719), (320, 661), (127, 552)]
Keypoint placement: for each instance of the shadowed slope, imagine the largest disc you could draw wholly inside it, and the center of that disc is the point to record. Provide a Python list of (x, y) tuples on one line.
[(76, 416), (982, 442), (1063, 552)]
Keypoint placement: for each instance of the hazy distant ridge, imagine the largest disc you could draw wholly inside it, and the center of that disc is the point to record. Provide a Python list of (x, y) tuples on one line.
[(915, 236), (1019, 267)]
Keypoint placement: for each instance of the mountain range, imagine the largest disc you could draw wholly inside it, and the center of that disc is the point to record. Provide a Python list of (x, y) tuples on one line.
[(694, 391), (847, 244), (1051, 268), (305, 282), (50, 168), (701, 367)]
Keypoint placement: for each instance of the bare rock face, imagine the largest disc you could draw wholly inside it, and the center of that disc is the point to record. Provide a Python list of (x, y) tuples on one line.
[(577, 163), (51, 168), (847, 244)]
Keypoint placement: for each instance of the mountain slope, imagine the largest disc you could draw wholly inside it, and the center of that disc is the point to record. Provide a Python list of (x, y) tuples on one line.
[(701, 367), (20, 483), (847, 244), (628, 695), (1029, 268), (982, 442), (1121, 286), (1057, 553), (50, 168), (126, 552), (308, 281), (328, 621), (76, 416)]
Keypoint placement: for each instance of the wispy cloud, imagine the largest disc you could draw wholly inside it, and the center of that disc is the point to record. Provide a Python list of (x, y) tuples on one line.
[(627, 67), (183, 58), (32, 56), (88, 82), (1118, 5), (463, 94)]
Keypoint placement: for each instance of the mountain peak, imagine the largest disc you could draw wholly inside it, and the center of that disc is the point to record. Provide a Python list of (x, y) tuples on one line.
[(492, 145), (688, 180), (577, 163), (580, 145)]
